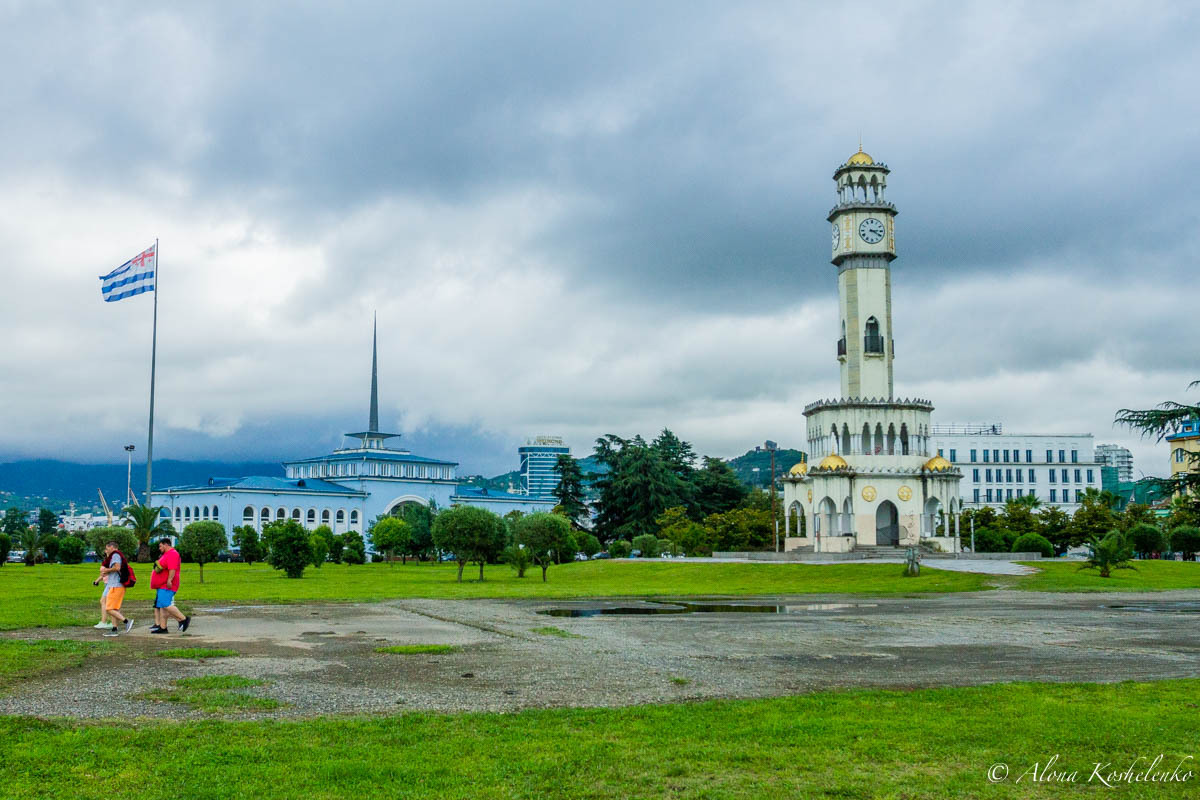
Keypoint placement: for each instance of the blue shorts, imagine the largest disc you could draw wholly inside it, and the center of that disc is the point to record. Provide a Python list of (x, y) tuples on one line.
[(164, 599)]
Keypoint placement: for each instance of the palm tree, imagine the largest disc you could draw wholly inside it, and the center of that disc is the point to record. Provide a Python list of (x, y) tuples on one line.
[(1111, 552), (147, 523), (30, 540), (1031, 501)]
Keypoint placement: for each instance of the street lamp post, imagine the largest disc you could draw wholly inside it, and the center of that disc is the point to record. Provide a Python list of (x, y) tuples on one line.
[(129, 475), (771, 448)]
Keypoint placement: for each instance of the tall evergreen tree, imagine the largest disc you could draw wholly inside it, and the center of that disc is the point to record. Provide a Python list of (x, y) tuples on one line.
[(569, 491), (718, 488), (1160, 422)]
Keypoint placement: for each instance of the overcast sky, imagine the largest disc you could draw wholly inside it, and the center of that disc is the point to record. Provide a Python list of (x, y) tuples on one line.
[(584, 218)]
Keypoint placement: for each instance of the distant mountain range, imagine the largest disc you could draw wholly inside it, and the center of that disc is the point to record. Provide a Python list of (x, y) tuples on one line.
[(33, 484)]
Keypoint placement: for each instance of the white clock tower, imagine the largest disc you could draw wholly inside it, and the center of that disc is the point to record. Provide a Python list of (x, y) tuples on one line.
[(877, 481), (864, 244)]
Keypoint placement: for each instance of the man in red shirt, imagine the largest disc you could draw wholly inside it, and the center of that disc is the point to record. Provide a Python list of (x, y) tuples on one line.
[(165, 582)]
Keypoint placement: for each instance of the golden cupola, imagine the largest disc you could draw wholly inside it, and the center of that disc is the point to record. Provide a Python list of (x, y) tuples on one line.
[(938, 464), (832, 462), (799, 470), (860, 157)]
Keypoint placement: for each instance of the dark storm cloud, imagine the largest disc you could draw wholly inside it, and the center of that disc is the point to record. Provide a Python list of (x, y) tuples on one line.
[(613, 215)]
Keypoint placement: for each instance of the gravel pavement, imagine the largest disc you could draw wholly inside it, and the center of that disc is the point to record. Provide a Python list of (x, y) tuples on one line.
[(321, 659)]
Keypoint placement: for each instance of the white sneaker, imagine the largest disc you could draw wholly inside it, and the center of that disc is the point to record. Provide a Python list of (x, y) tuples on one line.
[(101, 626)]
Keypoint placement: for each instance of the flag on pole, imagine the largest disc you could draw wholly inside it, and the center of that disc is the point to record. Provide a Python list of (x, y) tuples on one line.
[(133, 277)]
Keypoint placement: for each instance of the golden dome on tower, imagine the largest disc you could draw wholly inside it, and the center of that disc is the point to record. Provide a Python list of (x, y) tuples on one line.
[(833, 462), (860, 157), (799, 469), (938, 464)]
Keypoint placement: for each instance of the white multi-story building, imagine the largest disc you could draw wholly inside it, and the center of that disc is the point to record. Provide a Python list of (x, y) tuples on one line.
[(1054, 467), (1113, 455)]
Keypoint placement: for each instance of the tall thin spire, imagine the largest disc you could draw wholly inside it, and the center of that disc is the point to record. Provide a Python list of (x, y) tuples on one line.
[(373, 426)]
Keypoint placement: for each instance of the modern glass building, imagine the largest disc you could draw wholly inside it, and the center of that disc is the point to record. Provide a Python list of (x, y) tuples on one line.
[(539, 457)]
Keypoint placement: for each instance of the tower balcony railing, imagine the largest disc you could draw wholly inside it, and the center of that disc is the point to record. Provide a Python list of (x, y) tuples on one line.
[(873, 343), (841, 347)]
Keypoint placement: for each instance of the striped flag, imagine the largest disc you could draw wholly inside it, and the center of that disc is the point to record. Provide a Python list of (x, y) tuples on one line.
[(133, 277)]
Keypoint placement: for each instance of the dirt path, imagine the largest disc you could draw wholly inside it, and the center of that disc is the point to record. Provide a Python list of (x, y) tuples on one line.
[(322, 659)]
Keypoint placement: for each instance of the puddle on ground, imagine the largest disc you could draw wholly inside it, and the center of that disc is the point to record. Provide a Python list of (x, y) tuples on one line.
[(225, 609), (700, 608), (1161, 608)]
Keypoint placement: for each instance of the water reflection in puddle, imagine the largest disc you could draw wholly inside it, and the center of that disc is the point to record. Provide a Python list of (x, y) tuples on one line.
[(700, 608), (1161, 608)]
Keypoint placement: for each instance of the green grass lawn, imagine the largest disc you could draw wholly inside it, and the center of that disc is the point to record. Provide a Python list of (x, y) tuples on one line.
[(21, 659), (937, 743), (214, 694), (57, 595), (1149, 576)]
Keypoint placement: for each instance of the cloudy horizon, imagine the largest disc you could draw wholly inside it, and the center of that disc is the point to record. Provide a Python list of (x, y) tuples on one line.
[(581, 220)]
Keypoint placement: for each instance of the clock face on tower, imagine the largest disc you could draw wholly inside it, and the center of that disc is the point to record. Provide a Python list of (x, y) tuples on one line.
[(871, 230), (837, 235)]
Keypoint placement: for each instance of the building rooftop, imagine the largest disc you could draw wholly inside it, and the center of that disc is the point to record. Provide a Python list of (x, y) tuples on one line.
[(371, 454), (268, 484)]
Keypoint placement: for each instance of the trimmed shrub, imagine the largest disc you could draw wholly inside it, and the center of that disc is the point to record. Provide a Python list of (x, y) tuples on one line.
[(320, 549), (1034, 543), (125, 538), (354, 550), (1186, 539), (588, 544), (989, 540), (620, 549), (5, 547), (1146, 538), (71, 549), (290, 548), (50, 544), (649, 545)]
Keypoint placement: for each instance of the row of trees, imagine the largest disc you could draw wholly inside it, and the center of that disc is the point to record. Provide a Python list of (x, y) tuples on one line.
[(1001, 531), (641, 481)]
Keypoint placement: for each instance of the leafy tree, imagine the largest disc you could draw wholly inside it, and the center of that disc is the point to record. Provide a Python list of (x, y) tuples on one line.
[(1183, 512), (354, 550), (5, 548), (1033, 543), (1145, 538), (47, 521), (70, 549), (685, 536), (649, 545), (290, 549), (639, 487), (245, 539), (1111, 552), (473, 535), (717, 488), (741, 529), (1018, 518), (14, 522), (50, 544), (1160, 422), (1135, 514), (547, 538), (588, 544), (992, 540), (337, 547), (619, 548), (1093, 519), (30, 540), (569, 492), (1186, 539), (147, 524), (319, 547), (1055, 525), (420, 524), (126, 541), (202, 542), (390, 535)]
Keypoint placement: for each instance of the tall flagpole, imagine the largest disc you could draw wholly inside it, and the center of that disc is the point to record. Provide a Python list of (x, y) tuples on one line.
[(153, 356)]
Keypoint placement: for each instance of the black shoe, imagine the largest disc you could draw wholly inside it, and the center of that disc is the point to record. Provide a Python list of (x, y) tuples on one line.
[(183, 626), (158, 630)]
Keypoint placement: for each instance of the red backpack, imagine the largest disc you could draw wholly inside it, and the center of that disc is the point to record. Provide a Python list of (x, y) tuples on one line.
[(128, 579)]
